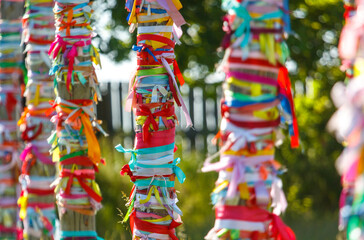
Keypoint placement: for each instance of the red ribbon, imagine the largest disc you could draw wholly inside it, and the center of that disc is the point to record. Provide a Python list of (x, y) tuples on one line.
[(155, 228), (348, 9), (11, 102), (159, 138), (167, 110), (25, 135), (39, 41), (80, 177), (126, 169), (40, 205), (84, 161), (260, 124), (157, 38), (285, 83), (177, 73), (40, 192)]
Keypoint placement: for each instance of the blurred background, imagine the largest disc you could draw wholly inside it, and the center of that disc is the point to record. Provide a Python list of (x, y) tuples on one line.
[(312, 185)]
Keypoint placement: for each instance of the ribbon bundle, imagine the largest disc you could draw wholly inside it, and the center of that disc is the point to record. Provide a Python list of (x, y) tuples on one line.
[(347, 122), (153, 88), (11, 77), (74, 143), (36, 201), (257, 99)]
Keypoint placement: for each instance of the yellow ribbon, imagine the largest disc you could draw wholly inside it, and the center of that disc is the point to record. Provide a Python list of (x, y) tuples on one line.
[(153, 189), (132, 18), (221, 186), (23, 203)]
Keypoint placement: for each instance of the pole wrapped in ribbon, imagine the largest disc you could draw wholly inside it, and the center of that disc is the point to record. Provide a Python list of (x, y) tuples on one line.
[(347, 121), (12, 76), (257, 99), (74, 144), (38, 171), (153, 89)]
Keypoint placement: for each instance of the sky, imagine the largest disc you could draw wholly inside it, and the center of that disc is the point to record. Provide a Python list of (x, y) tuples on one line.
[(111, 71)]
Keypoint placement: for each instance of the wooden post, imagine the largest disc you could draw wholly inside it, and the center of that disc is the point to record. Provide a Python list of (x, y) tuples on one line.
[(257, 94), (74, 144), (37, 208), (153, 169), (11, 77)]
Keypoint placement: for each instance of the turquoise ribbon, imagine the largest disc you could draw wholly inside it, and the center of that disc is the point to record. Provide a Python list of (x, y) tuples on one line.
[(164, 148), (65, 234), (154, 182), (176, 170), (133, 161), (134, 152), (244, 27)]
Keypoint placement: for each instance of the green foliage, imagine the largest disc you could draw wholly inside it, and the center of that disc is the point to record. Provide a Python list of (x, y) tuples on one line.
[(312, 177)]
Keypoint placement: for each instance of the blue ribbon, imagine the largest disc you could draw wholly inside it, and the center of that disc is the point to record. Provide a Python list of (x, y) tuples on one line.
[(286, 17), (238, 103), (141, 48), (286, 106), (54, 69), (129, 4), (159, 80), (155, 10)]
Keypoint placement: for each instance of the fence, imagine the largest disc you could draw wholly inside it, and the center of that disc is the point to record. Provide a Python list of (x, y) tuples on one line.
[(203, 103)]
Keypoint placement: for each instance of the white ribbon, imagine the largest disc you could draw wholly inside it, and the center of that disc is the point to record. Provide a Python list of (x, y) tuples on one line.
[(154, 29), (184, 108), (279, 202)]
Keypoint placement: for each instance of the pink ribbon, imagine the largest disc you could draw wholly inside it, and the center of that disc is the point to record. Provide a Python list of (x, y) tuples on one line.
[(238, 164), (350, 34), (72, 54), (60, 44), (172, 11), (129, 100), (255, 214), (30, 148)]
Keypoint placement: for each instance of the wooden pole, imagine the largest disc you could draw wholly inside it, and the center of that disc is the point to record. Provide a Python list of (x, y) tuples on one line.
[(74, 144), (37, 209), (256, 96), (152, 208), (11, 77)]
